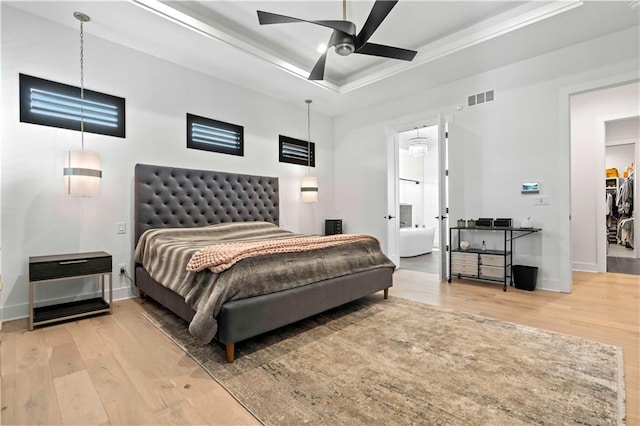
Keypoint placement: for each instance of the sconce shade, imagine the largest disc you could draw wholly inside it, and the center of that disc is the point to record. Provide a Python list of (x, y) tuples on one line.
[(309, 189), (82, 174)]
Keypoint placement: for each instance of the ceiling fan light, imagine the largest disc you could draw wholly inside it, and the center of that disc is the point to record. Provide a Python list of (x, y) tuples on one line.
[(345, 49)]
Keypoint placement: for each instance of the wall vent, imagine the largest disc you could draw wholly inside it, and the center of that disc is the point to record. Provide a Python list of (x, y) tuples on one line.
[(480, 98)]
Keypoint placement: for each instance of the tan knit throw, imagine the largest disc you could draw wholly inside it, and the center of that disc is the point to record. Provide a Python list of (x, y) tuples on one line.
[(220, 257)]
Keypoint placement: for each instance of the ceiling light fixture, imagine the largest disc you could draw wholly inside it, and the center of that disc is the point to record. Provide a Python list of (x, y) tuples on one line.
[(309, 187), (82, 174), (418, 145)]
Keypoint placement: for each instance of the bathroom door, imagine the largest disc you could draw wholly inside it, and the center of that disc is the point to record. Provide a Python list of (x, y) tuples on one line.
[(393, 204)]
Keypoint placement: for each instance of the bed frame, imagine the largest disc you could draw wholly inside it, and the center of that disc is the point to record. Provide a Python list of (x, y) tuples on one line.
[(174, 197)]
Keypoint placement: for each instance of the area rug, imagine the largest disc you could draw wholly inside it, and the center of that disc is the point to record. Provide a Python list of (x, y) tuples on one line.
[(395, 361)]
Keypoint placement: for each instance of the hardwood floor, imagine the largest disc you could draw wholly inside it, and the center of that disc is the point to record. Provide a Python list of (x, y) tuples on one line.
[(120, 369)]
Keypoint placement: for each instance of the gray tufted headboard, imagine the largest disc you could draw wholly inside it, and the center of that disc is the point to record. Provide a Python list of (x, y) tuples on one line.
[(174, 197)]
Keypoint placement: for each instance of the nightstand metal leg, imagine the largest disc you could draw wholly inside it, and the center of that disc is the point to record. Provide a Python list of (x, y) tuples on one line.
[(30, 306), (110, 293)]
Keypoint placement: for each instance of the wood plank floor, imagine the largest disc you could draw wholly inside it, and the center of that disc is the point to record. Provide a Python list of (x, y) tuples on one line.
[(119, 369)]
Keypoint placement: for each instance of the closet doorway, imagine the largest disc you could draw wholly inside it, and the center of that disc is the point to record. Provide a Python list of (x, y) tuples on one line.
[(604, 135), (621, 152)]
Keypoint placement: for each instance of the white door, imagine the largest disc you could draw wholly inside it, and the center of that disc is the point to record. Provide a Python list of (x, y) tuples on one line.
[(393, 204), (443, 191), (454, 156)]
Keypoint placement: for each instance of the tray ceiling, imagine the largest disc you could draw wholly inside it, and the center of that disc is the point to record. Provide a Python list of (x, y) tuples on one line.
[(223, 39)]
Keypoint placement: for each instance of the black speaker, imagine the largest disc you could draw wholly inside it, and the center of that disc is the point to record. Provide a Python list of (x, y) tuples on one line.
[(332, 226)]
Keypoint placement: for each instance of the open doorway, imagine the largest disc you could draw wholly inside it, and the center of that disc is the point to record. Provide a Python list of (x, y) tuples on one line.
[(599, 118), (418, 199), (621, 152)]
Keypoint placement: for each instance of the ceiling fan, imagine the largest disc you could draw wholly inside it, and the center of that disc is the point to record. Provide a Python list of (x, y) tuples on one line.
[(344, 37)]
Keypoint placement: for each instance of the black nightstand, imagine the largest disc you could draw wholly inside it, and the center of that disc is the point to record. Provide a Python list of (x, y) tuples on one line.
[(46, 269), (332, 226)]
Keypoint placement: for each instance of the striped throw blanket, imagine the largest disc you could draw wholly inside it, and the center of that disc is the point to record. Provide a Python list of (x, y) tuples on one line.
[(221, 257)]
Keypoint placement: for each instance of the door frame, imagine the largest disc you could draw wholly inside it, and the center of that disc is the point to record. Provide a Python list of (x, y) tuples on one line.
[(564, 168), (393, 157)]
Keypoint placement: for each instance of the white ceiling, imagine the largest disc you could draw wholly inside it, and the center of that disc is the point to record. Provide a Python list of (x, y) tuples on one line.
[(223, 39)]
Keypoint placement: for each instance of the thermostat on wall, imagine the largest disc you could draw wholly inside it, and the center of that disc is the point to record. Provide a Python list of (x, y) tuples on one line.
[(530, 188)]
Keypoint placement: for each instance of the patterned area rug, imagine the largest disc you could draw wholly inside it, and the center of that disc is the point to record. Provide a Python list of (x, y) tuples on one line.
[(395, 361)]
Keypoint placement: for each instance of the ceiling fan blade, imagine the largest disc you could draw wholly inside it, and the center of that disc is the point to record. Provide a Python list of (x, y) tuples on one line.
[(379, 12), (317, 73), (268, 18), (386, 51)]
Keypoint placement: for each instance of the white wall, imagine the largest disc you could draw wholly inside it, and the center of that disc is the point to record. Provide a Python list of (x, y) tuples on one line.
[(589, 112), (495, 146), (410, 192), (38, 219), (623, 130)]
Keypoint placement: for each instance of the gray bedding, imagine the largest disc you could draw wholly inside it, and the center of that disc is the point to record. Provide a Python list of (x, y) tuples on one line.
[(164, 253)]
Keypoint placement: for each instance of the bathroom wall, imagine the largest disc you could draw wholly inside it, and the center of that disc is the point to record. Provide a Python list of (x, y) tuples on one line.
[(410, 192)]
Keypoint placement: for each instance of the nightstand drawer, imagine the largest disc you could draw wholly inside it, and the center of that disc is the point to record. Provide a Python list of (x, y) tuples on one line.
[(69, 265)]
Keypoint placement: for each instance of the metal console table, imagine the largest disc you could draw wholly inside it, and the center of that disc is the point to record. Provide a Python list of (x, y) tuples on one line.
[(485, 265)]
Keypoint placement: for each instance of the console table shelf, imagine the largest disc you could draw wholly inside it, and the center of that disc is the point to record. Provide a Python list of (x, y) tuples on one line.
[(485, 265), (47, 269)]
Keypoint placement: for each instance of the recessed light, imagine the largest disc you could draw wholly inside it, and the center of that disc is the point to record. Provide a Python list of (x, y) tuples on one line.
[(322, 48)]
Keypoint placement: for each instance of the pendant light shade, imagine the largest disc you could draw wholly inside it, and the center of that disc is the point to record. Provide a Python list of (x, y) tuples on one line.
[(82, 174), (309, 187), (418, 145)]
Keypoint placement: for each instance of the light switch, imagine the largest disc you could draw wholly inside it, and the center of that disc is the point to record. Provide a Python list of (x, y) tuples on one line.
[(541, 200), (122, 228)]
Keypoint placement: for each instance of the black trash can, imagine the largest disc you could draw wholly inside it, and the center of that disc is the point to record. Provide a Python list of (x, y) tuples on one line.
[(524, 277)]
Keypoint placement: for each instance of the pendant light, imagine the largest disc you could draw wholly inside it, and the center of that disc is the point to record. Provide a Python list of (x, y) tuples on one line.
[(418, 145), (309, 187), (82, 174)]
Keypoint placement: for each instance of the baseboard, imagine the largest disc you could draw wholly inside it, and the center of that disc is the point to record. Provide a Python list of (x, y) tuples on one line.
[(585, 267), (14, 312)]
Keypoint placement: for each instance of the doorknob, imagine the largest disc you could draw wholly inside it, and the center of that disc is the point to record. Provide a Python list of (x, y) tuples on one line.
[(389, 217), (441, 217)]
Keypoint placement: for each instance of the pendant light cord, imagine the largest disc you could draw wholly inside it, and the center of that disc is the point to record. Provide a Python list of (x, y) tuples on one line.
[(82, 83), (308, 101)]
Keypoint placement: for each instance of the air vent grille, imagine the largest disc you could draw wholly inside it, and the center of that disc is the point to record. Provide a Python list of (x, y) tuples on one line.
[(480, 98)]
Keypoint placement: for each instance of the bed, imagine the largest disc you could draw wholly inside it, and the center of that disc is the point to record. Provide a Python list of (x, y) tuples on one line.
[(176, 198)]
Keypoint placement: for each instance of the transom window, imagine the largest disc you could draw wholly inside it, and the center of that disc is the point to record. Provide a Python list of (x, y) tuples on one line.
[(213, 135), (296, 151), (49, 103)]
